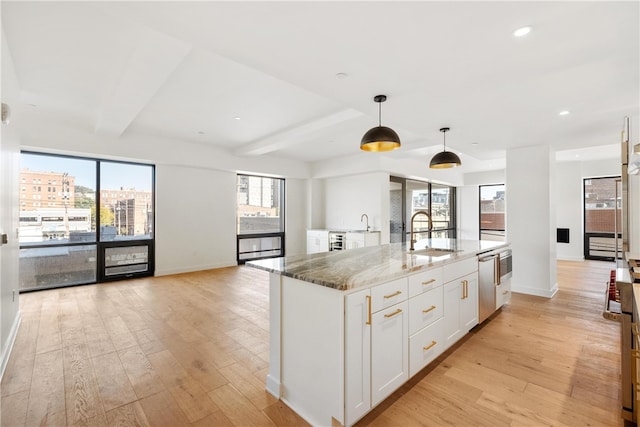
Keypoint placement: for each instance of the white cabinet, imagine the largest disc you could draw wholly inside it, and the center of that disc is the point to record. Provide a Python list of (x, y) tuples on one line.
[(503, 293), (425, 325), (357, 355), (389, 351), (460, 299), (362, 239), (317, 241), (376, 346)]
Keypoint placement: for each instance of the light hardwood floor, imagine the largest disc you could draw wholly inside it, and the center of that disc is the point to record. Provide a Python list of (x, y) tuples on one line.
[(192, 349)]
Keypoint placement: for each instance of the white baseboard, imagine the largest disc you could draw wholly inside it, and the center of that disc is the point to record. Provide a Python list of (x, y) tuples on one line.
[(8, 345), (561, 258), (535, 291), (193, 268)]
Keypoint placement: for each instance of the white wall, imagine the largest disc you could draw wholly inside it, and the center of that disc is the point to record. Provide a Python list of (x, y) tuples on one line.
[(9, 164), (568, 187), (570, 202), (468, 200), (296, 216), (348, 197), (316, 203), (195, 219), (531, 227)]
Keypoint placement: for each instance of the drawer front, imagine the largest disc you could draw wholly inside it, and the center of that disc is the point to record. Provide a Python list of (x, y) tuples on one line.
[(388, 294), (425, 309), (425, 346), (460, 268), (503, 293), (424, 281)]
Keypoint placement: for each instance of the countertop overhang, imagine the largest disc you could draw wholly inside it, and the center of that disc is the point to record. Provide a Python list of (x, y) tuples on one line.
[(364, 267)]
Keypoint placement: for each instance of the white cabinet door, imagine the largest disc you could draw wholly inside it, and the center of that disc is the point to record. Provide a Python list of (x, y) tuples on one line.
[(451, 326), (355, 240), (389, 351), (357, 356), (469, 304), (425, 346), (317, 241), (372, 239), (503, 293)]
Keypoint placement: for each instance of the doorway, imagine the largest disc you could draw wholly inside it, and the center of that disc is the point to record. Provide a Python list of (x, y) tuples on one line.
[(407, 196), (602, 218)]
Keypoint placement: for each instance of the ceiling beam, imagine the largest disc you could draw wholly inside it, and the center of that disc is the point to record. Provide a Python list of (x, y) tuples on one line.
[(295, 135), (152, 62)]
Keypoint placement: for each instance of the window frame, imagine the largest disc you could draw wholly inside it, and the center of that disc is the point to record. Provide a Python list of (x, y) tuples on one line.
[(102, 245), (267, 234)]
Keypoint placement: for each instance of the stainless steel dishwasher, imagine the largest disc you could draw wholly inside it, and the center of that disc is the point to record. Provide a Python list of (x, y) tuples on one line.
[(493, 267)]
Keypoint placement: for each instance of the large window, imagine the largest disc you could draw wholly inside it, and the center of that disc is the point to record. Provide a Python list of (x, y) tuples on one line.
[(602, 214), (492, 212), (260, 217), (407, 197), (75, 214)]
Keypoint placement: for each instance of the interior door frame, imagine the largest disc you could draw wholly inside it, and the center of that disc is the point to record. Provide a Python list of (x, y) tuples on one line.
[(588, 235), (403, 191)]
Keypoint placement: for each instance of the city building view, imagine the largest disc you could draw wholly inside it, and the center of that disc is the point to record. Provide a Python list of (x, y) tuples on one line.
[(52, 207)]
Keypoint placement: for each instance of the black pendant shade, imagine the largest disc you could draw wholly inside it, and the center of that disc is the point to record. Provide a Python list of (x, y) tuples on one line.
[(445, 159), (380, 138)]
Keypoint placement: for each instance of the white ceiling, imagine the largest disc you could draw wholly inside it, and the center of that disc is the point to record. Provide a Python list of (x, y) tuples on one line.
[(186, 70)]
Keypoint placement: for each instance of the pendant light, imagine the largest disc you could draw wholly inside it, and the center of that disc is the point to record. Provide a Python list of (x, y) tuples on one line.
[(380, 138), (445, 159)]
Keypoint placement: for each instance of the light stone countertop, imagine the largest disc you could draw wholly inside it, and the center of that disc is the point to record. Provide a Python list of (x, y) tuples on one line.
[(364, 267)]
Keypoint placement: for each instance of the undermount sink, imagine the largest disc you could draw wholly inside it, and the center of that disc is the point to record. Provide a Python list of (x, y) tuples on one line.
[(433, 252)]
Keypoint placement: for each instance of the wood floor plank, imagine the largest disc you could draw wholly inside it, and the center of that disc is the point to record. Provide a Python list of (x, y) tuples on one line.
[(237, 408), (83, 400), (141, 374), (249, 385), (130, 415), (120, 335), (193, 400), (14, 409), (283, 416), (161, 410), (47, 398), (113, 382)]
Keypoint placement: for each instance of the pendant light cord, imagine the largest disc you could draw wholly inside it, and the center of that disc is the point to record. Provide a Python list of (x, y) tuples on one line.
[(444, 140), (379, 114)]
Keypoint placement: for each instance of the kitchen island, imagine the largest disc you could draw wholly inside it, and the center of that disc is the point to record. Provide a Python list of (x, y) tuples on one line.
[(349, 328)]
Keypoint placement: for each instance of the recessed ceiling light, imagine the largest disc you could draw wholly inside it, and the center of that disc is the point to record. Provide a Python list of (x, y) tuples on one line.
[(200, 132), (563, 113), (342, 75), (474, 143), (237, 118), (522, 31)]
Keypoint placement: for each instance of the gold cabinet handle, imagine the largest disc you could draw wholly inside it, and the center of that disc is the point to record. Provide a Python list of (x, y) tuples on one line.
[(635, 329), (398, 311), (368, 322), (465, 289), (428, 282), (430, 345), (396, 293), (426, 310), (505, 292)]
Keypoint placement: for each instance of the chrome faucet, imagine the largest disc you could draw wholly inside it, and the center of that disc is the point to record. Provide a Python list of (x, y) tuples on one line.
[(411, 248), (365, 216)]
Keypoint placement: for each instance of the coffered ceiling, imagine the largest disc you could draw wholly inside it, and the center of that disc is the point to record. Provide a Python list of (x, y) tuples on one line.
[(297, 79)]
